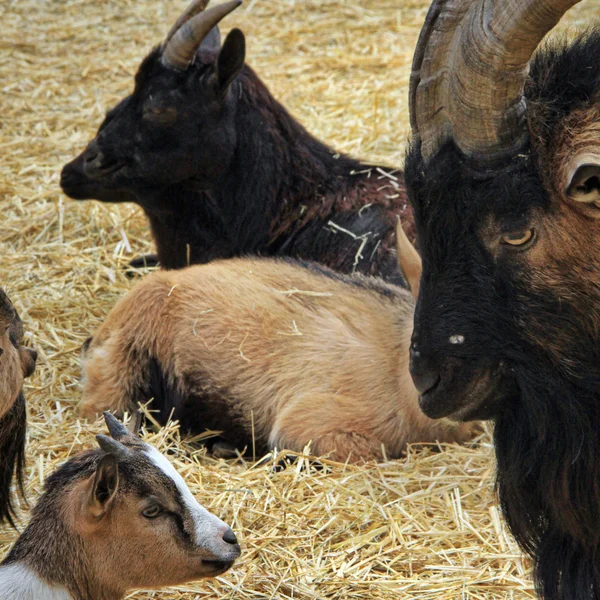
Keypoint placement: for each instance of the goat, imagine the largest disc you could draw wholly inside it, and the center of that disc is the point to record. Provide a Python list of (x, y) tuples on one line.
[(272, 353), (111, 520), (221, 169), (16, 363), (503, 175)]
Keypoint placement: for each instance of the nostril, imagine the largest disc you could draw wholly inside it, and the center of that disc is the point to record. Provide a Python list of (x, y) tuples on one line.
[(424, 373), (92, 152), (426, 383), (229, 537)]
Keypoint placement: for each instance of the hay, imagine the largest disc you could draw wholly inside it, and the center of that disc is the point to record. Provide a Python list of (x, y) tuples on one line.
[(424, 527)]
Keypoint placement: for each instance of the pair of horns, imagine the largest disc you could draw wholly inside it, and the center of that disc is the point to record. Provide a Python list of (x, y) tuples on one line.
[(190, 30), (119, 433), (469, 72)]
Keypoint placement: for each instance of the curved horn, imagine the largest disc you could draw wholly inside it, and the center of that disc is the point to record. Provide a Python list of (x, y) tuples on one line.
[(179, 51), (469, 71), (197, 6)]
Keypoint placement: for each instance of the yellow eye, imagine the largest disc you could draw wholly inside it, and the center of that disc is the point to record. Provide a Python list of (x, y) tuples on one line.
[(517, 238), (154, 111)]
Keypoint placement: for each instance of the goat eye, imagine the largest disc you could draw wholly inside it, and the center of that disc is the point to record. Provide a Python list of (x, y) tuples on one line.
[(152, 511), (518, 238), (161, 114)]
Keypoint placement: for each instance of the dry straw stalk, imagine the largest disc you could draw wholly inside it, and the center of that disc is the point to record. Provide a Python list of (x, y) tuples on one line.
[(426, 527)]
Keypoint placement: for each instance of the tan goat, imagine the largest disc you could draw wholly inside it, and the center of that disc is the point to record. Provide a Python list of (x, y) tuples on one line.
[(114, 519), (270, 353)]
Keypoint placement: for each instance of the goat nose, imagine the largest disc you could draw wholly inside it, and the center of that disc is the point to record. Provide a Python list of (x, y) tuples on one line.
[(229, 537), (423, 370), (92, 153)]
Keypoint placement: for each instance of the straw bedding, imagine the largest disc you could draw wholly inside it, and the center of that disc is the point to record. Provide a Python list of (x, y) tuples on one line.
[(424, 527)]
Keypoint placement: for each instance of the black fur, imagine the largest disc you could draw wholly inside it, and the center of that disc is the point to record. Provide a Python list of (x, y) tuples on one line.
[(543, 339), (206, 410), (13, 430), (236, 174)]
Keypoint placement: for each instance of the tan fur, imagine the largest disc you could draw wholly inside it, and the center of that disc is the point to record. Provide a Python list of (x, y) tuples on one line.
[(88, 533), (123, 549), (301, 356)]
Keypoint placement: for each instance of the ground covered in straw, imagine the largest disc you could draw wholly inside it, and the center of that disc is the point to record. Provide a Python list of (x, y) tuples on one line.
[(424, 527)]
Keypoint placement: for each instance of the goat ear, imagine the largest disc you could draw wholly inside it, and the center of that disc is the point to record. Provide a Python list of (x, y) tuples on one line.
[(231, 59), (585, 184), (106, 483), (409, 260), (28, 358)]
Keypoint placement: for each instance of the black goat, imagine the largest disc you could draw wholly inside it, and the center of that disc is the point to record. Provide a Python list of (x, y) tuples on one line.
[(504, 179), (221, 169)]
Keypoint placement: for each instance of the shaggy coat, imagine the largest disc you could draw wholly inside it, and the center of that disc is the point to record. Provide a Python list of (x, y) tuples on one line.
[(270, 353), (514, 249), (221, 169), (16, 363)]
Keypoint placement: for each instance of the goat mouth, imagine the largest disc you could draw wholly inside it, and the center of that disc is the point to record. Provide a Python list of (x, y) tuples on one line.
[(468, 398), (217, 566)]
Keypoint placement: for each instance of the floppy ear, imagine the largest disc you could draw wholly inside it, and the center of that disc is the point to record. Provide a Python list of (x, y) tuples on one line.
[(584, 184), (409, 260), (231, 59), (28, 358), (104, 489)]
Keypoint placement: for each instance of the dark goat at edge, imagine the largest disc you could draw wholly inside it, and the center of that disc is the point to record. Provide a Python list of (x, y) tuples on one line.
[(16, 363), (505, 188), (221, 168)]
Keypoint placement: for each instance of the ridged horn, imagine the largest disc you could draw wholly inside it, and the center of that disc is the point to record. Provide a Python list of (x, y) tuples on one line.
[(469, 71), (197, 6), (179, 51)]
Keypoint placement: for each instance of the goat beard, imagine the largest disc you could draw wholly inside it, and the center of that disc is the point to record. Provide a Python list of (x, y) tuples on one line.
[(548, 477), (13, 429)]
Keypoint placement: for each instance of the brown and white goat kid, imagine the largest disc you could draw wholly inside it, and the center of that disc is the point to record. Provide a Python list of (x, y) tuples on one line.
[(16, 363), (272, 353), (114, 519)]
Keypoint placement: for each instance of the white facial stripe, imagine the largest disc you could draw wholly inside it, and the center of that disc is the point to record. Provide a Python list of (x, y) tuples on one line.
[(208, 527)]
